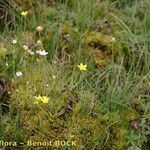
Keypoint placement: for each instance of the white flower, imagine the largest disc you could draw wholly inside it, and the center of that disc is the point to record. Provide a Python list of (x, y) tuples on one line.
[(47, 85), (19, 73), (31, 52), (42, 52), (14, 41), (39, 42), (39, 28), (113, 39), (25, 47)]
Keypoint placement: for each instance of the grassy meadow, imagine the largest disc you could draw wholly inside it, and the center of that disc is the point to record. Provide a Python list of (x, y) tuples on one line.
[(74, 75)]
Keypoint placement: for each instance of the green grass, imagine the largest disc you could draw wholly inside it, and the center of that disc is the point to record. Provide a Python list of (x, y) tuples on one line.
[(105, 107)]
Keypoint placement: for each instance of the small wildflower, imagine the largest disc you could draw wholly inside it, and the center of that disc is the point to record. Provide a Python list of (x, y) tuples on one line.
[(25, 47), (42, 52), (113, 39), (82, 67), (24, 13), (19, 74), (47, 85), (14, 41), (38, 98), (39, 42), (31, 52), (6, 64), (36, 102), (45, 99), (39, 28), (42, 99), (54, 77)]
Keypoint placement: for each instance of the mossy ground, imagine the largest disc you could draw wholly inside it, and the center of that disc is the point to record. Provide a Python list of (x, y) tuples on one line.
[(104, 107)]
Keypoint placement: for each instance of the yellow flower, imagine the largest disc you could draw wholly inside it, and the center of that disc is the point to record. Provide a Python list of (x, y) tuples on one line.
[(42, 99), (82, 67), (54, 77), (45, 99), (38, 98), (24, 13), (36, 102)]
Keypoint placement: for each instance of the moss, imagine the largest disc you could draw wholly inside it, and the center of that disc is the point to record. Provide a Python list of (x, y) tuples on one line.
[(88, 131), (128, 114), (102, 48), (120, 138), (98, 40), (67, 28), (119, 128)]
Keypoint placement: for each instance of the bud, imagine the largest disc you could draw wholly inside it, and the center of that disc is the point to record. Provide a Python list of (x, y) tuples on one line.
[(39, 28)]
